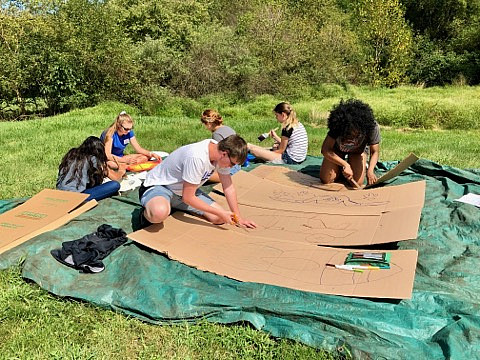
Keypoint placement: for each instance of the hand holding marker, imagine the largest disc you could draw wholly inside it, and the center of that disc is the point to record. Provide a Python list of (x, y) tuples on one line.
[(266, 135)]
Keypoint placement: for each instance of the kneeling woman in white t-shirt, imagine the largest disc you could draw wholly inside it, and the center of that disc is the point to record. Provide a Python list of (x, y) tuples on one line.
[(292, 146)]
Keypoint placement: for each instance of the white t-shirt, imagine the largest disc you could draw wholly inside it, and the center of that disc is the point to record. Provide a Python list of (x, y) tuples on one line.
[(190, 163)]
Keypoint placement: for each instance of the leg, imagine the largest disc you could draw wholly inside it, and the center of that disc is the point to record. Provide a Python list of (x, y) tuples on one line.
[(135, 158), (358, 164), (329, 171), (263, 153), (116, 171), (177, 203), (103, 191), (156, 201)]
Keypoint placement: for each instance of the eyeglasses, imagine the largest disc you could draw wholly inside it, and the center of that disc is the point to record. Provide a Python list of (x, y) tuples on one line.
[(232, 164), (126, 129)]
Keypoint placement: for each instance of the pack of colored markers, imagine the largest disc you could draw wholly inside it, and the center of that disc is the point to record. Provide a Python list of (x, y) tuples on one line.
[(380, 259)]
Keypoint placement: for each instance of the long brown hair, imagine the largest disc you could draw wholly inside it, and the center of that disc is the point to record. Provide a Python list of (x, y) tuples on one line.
[(92, 148)]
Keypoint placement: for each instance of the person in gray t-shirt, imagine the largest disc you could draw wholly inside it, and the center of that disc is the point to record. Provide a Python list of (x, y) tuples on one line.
[(83, 169), (353, 135), (213, 122)]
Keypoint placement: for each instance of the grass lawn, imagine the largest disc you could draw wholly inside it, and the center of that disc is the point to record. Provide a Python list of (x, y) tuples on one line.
[(35, 324)]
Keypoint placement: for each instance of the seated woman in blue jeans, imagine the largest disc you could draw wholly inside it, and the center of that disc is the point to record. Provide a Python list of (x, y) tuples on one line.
[(84, 168)]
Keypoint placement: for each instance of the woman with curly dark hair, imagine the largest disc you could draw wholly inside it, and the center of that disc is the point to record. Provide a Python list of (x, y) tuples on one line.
[(84, 168), (353, 135)]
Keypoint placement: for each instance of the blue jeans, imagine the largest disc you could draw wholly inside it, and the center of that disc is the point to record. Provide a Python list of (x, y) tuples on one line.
[(102, 191)]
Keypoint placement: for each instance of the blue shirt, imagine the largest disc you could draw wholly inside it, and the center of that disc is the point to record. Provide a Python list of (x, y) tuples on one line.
[(119, 143)]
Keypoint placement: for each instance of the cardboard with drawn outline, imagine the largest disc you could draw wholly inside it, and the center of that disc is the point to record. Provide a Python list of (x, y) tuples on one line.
[(285, 176), (247, 257), (330, 229), (263, 193), (43, 212)]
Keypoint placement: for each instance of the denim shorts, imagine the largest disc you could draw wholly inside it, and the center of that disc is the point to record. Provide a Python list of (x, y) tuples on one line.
[(148, 193), (285, 159)]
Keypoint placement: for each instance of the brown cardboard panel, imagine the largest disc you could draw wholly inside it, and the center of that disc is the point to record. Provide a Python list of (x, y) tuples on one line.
[(285, 176), (49, 227), (401, 166), (331, 229), (295, 265), (255, 191), (399, 224), (37, 212), (310, 228)]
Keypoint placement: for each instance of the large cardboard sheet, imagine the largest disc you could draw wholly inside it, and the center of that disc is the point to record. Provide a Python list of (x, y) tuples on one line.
[(37, 214), (301, 266), (285, 176), (263, 193), (330, 229)]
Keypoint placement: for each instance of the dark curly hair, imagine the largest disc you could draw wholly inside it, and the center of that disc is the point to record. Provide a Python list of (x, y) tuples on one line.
[(91, 148), (351, 116)]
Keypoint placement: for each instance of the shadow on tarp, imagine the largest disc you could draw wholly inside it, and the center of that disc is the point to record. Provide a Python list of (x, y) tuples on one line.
[(440, 321)]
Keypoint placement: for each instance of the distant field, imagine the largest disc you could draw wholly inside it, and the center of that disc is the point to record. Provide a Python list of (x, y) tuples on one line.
[(31, 150)]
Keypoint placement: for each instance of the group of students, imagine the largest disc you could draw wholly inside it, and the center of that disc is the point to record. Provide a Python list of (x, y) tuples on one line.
[(353, 136)]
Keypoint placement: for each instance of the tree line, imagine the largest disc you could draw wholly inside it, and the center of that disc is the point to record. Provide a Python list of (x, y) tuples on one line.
[(60, 54)]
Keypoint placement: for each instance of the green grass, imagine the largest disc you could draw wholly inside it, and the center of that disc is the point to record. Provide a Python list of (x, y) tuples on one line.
[(37, 325)]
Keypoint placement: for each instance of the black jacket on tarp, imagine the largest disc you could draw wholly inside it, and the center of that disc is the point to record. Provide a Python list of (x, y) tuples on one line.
[(86, 254)]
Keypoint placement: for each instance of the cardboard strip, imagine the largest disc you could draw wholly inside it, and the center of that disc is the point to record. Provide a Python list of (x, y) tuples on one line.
[(37, 215), (247, 257), (401, 166)]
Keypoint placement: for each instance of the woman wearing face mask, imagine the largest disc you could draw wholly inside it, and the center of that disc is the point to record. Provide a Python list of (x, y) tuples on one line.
[(353, 135)]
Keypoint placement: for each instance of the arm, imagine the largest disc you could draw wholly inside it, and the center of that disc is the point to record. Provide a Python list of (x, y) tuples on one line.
[(231, 196), (140, 150), (374, 154), (282, 146), (274, 136), (189, 198), (329, 153), (108, 152)]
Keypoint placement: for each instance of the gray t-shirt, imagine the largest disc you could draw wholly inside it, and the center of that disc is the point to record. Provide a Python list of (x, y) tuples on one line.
[(76, 184), (223, 132)]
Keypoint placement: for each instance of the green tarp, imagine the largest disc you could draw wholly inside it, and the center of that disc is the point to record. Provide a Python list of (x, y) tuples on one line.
[(440, 321)]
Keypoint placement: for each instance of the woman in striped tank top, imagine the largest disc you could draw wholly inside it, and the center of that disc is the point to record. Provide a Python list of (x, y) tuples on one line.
[(291, 146)]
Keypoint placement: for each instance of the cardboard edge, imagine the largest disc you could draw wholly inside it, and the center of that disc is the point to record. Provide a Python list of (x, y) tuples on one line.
[(401, 166), (52, 226)]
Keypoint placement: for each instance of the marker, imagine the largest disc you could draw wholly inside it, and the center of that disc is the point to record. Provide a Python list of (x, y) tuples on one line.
[(354, 267)]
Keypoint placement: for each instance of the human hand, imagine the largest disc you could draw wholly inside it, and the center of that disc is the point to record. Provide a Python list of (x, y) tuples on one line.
[(371, 177), (347, 172), (156, 156), (238, 221)]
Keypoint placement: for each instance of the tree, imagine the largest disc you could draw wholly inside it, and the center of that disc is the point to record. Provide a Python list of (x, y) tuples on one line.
[(386, 41)]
